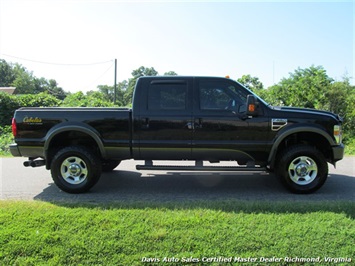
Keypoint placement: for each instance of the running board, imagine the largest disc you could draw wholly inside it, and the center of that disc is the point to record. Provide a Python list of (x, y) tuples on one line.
[(199, 167)]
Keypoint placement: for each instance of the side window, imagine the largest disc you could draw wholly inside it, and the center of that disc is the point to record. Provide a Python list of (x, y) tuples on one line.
[(214, 99), (221, 95), (165, 96)]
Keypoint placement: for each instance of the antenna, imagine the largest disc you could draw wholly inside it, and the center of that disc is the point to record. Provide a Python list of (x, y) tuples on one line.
[(115, 86)]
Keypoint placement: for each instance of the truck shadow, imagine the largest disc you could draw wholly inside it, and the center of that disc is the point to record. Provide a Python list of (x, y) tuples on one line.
[(189, 190)]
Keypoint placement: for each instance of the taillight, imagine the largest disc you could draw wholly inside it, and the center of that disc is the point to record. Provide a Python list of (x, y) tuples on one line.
[(14, 127)]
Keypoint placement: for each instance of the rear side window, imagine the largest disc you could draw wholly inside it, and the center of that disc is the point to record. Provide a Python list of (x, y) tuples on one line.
[(167, 96)]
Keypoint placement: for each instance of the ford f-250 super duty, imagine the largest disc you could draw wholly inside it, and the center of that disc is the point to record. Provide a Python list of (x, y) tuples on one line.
[(181, 118)]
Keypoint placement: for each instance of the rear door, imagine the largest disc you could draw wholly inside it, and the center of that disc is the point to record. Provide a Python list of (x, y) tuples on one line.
[(165, 121)]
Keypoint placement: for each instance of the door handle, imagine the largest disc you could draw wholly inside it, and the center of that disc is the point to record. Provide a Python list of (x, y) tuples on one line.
[(145, 123), (198, 122), (190, 125)]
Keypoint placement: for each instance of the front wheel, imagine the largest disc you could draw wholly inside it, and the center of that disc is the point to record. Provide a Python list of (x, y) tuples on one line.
[(302, 169), (75, 169)]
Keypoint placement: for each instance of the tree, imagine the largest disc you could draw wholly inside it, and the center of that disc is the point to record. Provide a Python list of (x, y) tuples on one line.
[(170, 73), (144, 71), (7, 75), (303, 88), (137, 73), (107, 91), (16, 75), (339, 99), (24, 81), (55, 90), (252, 83)]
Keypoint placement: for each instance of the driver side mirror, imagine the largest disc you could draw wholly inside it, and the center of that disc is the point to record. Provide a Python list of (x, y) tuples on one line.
[(252, 105)]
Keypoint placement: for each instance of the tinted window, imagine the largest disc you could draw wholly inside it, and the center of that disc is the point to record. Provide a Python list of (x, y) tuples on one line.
[(220, 95), (214, 99), (167, 96)]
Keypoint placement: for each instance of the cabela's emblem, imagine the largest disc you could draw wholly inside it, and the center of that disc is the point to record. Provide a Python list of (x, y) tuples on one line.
[(32, 120)]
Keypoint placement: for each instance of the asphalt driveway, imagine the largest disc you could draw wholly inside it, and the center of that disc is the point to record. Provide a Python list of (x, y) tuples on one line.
[(125, 183)]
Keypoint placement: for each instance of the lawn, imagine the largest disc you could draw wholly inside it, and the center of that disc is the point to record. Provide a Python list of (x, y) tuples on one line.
[(203, 233)]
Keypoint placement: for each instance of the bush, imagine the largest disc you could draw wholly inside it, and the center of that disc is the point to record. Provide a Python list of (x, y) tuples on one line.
[(350, 146), (79, 99), (9, 104), (6, 139), (38, 100)]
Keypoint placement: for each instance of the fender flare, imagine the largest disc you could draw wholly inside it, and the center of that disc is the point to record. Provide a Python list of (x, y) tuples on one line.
[(290, 131), (83, 128)]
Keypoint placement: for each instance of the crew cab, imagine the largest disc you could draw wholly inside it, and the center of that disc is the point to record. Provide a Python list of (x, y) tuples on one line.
[(181, 118)]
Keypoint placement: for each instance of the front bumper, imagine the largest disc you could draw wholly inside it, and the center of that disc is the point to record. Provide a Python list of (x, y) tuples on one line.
[(338, 152), (15, 150)]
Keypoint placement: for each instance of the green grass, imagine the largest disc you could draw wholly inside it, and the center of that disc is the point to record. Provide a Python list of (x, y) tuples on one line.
[(37, 233)]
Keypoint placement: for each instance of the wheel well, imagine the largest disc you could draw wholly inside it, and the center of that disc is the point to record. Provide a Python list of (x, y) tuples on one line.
[(308, 138), (69, 138)]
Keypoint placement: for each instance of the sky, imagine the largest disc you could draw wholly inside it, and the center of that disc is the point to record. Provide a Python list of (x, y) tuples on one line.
[(76, 42)]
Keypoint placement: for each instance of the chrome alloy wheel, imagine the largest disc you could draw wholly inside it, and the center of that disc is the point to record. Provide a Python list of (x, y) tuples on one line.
[(74, 170), (303, 170)]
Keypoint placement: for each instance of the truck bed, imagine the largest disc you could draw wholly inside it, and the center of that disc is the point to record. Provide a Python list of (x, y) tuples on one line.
[(36, 125)]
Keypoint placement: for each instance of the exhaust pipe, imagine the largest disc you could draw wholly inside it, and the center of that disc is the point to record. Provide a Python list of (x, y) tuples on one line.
[(35, 163), (38, 163)]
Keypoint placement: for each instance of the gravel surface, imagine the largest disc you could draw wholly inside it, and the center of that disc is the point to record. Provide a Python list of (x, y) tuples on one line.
[(125, 183)]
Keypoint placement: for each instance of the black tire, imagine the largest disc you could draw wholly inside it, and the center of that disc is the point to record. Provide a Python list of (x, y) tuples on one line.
[(75, 169), (302, 169), (110, 165)]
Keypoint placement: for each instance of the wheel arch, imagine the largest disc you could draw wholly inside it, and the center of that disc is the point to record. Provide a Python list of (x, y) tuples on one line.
[(72, 134), (302, 135)]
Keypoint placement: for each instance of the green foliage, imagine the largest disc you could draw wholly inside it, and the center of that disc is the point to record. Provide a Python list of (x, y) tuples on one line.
[(350, 146), (37, 233), (6, 138), (8, 105), (313, 88), (40, 100), (137, 73), (16, 75), (170, 73), (109, 92), (252, 83), (51, 87), (24, 81), (91, 99), (7, 76), (304, 88)]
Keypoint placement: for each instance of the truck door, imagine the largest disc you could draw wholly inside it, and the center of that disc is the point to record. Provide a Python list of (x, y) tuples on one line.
[(165, 120), (222, 131)]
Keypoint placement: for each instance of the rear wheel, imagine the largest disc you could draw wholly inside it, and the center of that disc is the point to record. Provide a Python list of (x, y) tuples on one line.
[(75, 169), (302, 169)]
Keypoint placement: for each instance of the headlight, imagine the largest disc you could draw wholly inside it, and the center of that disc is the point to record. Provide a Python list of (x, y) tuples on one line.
[(338, 134)]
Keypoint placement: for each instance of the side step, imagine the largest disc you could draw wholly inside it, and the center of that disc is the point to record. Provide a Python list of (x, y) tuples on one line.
[(200, 167)]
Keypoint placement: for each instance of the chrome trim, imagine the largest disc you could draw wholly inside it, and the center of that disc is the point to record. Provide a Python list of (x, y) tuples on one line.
[(278, 123)]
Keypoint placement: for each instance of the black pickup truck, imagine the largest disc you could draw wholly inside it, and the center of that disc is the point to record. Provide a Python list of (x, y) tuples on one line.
[(181, 118)]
